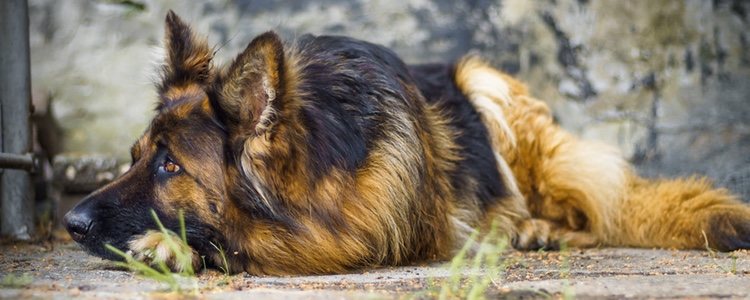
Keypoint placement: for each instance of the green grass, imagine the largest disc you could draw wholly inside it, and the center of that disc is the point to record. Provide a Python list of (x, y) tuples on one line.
[(16, 281), (471, 274), (567, 293), (223, 255), (733, 266), (732, 269), (159, 271)]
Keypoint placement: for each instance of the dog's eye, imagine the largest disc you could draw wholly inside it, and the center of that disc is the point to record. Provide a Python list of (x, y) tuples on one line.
[(169, 167)]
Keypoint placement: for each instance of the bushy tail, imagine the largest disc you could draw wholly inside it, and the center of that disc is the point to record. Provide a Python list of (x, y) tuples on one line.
[(686, 213), (585, 191)]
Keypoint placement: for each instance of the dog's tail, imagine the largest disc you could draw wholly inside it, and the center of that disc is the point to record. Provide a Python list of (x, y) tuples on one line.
[(586, 190), (686, 213), (589, 184)]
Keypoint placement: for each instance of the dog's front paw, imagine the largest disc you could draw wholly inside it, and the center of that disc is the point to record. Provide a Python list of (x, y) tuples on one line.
[(156, 247), (533, 234)]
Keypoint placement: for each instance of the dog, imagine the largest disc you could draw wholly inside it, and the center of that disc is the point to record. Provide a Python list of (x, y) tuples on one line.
[(328, 154)]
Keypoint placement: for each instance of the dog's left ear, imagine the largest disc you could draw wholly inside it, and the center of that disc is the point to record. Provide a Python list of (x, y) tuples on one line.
[(188, 57), (249, 91)]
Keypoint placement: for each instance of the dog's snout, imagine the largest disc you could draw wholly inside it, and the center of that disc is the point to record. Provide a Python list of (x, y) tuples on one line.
[(78, 224)]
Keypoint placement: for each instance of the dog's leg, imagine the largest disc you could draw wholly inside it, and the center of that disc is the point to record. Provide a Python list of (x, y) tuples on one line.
[(534, 234), (576, 239), (156, 247)]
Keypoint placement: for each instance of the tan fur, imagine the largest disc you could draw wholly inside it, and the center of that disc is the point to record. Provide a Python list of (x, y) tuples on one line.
[(373, 222), (153, 247), (277, 215), (583, 190)]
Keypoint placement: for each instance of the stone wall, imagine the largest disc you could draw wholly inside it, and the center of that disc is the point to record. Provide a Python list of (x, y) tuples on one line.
[(666, 81)]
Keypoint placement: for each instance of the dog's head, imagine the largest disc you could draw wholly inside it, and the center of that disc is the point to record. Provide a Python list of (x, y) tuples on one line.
[(186, 158)]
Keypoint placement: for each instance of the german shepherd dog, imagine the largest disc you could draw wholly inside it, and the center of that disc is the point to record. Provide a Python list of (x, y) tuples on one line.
[(328, 154)]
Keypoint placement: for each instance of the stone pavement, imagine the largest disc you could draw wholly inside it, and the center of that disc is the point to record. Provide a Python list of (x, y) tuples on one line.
[(62, 270)]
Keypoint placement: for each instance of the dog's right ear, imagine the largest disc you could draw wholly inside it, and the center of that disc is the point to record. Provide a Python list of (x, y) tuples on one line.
[(188, 57), (249, 92)]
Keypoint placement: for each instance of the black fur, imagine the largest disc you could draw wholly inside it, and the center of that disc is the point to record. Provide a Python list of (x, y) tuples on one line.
[(729, 232), (436, 83), (352, 82), (181, 45), (354, 93)]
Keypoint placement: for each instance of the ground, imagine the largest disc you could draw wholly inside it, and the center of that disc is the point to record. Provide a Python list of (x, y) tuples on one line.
[(62, 270)]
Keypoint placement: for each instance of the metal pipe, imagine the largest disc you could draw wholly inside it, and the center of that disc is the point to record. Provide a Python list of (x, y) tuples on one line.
[(15, 102), (17, 161)]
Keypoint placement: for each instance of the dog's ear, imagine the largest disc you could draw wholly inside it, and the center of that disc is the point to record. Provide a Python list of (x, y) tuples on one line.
[(188, 57), (249, 91)]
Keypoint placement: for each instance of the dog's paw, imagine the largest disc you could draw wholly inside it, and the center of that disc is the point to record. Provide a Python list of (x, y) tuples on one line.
[(156, 247), (729, 231), (533, 234)]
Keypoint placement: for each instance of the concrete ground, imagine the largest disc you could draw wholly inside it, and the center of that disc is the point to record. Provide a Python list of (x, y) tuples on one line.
[(61, 270)]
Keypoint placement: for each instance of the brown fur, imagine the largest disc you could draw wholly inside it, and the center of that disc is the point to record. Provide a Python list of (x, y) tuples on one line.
[(585, 190), (250, 180)]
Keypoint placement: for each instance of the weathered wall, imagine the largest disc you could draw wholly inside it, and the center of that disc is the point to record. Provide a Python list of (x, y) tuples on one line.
[(666, 81)]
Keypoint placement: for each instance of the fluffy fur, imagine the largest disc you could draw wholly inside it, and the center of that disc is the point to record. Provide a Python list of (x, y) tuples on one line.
[(586, 191), (329, 153)]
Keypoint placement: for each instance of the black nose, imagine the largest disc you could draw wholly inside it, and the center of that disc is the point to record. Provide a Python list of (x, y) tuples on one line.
[(78, 224)]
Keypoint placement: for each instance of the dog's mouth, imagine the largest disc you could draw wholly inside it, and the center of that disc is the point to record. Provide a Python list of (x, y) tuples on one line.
[(103, 229), (102, 251), (100, 245)]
